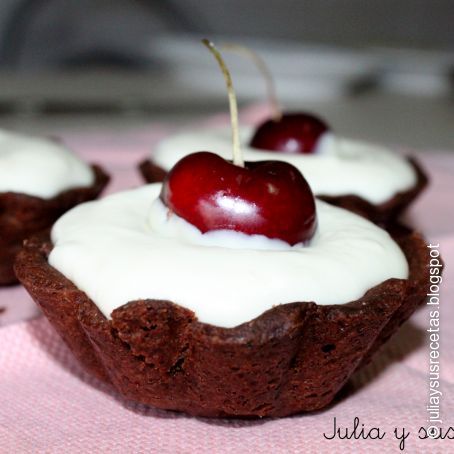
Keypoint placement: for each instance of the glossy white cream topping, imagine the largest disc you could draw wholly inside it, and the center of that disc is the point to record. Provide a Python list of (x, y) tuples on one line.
[(126, 247), (340, 166), (39, 167)]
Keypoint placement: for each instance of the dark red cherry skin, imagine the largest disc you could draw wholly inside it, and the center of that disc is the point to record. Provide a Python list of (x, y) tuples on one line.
[(293, 133), (268, 198)]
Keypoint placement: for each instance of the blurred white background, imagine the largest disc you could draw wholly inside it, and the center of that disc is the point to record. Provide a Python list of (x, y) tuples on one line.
[(378, 69)]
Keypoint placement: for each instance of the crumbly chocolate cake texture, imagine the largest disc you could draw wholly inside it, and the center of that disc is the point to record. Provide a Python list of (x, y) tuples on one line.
[(293, 358), (385, 213), (22, 215)]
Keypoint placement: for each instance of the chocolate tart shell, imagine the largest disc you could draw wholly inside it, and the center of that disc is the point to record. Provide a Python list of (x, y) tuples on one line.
[(22, 215), (292, 358), (384, 214)]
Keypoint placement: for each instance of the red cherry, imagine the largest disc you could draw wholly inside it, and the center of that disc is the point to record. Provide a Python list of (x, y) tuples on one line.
[(292, 133), (268, 198)]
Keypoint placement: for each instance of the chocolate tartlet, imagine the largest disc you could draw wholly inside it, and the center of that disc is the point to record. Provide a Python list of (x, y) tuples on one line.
[(293, 358), (383, 214), (22, 215)]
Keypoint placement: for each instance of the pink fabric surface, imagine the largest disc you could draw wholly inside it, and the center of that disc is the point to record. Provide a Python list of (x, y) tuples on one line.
[(48, 404)]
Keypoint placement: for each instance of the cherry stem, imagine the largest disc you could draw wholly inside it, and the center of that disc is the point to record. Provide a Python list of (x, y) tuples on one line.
[(259, 62), (237, 154)]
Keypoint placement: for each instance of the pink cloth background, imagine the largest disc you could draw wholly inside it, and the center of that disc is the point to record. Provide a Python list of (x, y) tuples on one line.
[(48, 404)]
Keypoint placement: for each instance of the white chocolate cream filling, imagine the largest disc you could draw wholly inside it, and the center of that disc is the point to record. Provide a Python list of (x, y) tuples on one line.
[(127, 247), (39, 167), (339, 167)]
